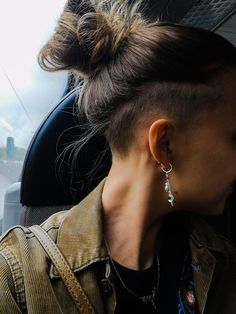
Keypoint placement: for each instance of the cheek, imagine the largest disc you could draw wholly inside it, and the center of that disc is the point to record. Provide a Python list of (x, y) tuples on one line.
[(202, 187), (203, 172)]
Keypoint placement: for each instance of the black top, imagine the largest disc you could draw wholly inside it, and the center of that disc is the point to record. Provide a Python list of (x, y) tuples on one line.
[(175, 264)]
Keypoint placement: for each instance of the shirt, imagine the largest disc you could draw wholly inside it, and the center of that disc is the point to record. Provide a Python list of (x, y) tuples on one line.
[(170, 262)]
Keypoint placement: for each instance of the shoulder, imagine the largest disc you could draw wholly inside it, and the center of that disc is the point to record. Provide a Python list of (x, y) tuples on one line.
[(20, 251), (19, 234), (17, 242)]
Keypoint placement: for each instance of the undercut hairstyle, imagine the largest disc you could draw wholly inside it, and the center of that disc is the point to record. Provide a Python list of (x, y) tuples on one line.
[(134, 69)]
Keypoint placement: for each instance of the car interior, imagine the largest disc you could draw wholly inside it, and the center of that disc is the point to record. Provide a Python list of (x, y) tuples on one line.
[(56, 175)]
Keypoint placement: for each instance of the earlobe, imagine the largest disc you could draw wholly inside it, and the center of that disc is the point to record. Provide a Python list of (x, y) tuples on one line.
[(158, 139)]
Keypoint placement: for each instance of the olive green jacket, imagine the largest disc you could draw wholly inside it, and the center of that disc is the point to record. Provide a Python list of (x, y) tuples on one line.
[(29, 282)]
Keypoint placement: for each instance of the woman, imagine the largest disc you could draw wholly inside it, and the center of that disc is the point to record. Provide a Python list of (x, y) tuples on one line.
[(164, 97)]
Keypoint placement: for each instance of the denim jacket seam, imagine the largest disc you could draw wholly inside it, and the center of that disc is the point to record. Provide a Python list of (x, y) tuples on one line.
[(54, 273), (53, 224), (17, 276), (90, 262)]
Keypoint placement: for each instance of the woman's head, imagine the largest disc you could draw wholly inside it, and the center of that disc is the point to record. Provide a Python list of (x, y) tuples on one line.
[(137, 73), (133, 68)]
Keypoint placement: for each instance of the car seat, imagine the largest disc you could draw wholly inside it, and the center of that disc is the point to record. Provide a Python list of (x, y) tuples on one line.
[(48, 183)]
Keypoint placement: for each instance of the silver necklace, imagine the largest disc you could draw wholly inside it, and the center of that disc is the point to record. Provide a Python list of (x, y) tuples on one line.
[(149, 298)]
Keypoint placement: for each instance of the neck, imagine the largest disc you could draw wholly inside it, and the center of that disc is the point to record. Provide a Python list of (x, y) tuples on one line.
[(133, 212)]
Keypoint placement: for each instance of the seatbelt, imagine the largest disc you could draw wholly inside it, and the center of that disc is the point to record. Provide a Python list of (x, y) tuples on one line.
[(63, 268)]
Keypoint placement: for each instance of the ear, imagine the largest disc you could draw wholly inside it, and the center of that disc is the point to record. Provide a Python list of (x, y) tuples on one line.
[(159, 138)]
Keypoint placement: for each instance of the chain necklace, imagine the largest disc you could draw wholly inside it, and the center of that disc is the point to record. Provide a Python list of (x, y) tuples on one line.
[(149, 298)]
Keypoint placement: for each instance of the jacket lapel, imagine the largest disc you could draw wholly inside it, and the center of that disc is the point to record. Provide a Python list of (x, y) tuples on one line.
[(203, 264), (204, 243)]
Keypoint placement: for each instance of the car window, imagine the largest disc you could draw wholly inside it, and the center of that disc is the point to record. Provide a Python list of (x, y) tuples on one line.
[(26, 92), (228, 29)]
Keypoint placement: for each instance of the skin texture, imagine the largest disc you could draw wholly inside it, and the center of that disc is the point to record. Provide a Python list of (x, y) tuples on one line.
[(205, 167), (204, 170)]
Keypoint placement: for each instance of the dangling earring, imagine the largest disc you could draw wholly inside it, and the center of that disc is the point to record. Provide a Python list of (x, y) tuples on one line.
[(167, 185)]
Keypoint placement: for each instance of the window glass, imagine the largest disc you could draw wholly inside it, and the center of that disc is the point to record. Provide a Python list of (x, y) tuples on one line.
[(26, 92), (228, 29)]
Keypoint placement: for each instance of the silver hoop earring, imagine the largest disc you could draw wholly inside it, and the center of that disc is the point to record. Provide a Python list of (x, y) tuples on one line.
[(167, 185)]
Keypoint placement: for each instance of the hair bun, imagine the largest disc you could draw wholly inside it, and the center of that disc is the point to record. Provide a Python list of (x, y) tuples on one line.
[(87, 36)]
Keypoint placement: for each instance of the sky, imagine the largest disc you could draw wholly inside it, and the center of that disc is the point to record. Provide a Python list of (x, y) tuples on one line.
[(26, 92)]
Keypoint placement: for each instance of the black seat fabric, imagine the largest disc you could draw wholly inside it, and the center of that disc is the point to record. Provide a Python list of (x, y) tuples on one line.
[(49, 184), (35, 215), (46, 181)]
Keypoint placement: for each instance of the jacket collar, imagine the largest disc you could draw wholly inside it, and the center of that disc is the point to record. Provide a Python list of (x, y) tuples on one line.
[(80, 235), (203, 235)]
